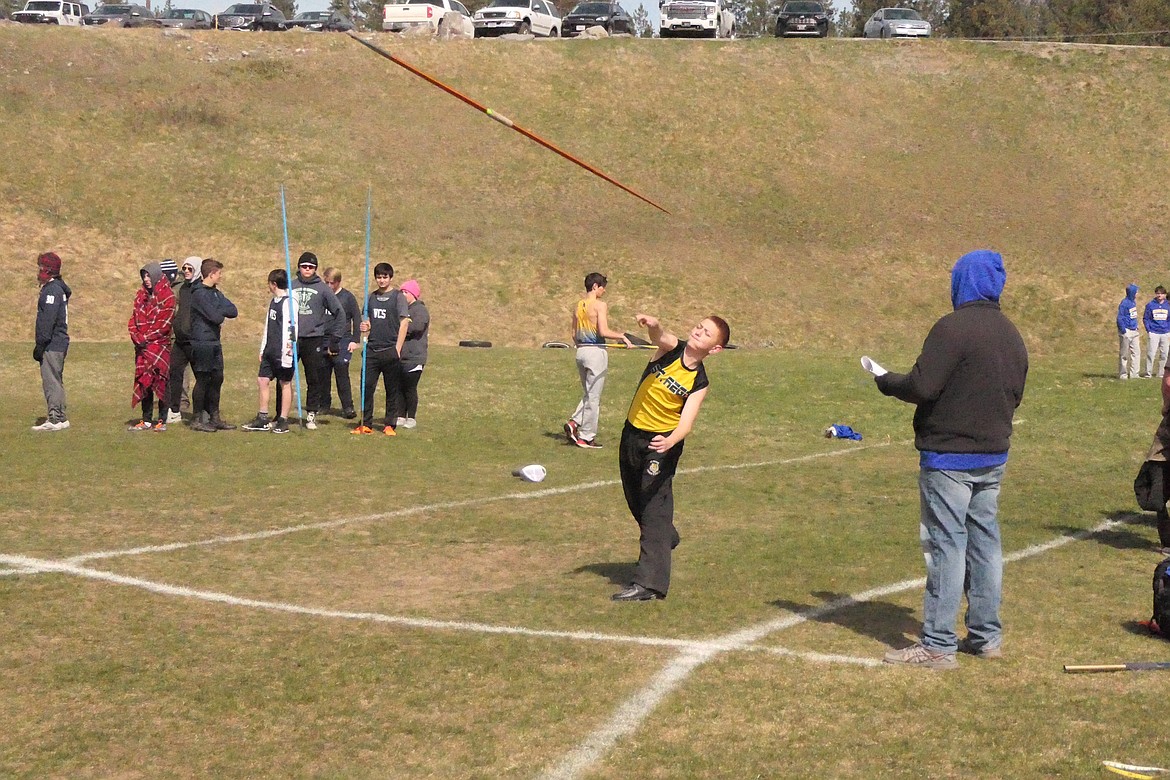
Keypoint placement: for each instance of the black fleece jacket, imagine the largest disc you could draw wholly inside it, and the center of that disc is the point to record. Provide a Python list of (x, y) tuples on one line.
[(967, 382)]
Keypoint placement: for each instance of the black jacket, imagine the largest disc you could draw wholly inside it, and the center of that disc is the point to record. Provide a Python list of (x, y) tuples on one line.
[(967, 382), (53, 316), (209, 308)]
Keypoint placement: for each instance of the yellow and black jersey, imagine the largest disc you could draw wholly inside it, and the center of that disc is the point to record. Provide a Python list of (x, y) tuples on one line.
[(666, 384), (586, 332)]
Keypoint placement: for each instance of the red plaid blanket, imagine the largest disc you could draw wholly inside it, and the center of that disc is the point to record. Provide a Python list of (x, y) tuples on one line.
[(150, 330)]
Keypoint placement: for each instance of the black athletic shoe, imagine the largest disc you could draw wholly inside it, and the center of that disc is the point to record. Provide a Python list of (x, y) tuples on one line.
[(637, 593), (221, 425), (348, 414), (202, 427), (280, 426), (260, 423)]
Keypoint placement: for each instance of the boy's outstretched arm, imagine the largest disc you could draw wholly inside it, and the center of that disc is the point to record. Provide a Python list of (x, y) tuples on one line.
[(665, 341)]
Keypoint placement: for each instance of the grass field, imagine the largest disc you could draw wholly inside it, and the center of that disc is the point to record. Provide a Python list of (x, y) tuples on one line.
[(321, 605)]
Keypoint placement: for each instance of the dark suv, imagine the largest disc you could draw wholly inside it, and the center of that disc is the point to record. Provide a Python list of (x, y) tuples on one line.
[(802, 17), (121, 15), (251, 16)]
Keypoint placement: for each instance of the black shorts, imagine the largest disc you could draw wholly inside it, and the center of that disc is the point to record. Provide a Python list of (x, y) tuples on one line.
[(270, 368)]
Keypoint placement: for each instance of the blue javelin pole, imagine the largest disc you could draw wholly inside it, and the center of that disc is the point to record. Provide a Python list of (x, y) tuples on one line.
[(292, 318), (366, 294)]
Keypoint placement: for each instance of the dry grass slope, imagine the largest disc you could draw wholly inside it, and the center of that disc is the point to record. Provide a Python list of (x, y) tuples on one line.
[(819, 191)]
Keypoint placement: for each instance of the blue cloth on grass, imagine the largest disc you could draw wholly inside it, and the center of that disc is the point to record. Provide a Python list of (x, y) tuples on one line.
[(844, 432)]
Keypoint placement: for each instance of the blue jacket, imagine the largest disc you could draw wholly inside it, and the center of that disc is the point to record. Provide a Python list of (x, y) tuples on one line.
[(1157, 317), (1127, 310), (209, 308)]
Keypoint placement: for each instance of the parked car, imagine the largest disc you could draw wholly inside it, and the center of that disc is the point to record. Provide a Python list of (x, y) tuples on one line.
[(896, 23), (251, 16), (802, 17), (400, 16), (50, 12), (538, 17), (186, 19), (322, 21), (121, 15), (607, 14)]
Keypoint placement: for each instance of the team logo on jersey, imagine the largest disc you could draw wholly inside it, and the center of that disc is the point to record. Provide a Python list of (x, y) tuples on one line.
[(653, 467)]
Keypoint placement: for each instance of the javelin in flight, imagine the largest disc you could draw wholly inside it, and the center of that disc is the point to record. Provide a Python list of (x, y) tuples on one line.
[(505, 121)]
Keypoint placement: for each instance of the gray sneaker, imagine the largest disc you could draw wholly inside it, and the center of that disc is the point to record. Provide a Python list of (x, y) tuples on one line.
[(985, 651), (174, 418), (409, 422), (917, 655)]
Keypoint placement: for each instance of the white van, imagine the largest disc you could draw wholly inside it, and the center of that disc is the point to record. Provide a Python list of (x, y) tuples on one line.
[(50, 12)]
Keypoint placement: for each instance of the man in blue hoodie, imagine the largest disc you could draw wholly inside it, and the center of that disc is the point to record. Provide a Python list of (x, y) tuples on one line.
[(1129, 348), (966, 385), (1156, 318), (52, 339)]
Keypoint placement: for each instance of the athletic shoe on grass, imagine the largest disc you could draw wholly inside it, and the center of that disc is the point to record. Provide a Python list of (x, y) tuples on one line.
[(143, 425), (400, 421), (410, 422), (389, 431), (174, 417), (588, 444), (571, 431), (159, 426), (259, 423), (986, 651), (917, 655), (49, 425), (280, 426), (202, 426), (311, 421), (362, 429)]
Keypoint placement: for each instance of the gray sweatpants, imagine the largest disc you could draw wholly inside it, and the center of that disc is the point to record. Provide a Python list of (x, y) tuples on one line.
[(53, 382), (592, 364), (1156, 352), (1129, 365)]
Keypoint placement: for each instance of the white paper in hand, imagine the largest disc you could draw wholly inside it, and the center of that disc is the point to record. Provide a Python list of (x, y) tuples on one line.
[(869, 365)]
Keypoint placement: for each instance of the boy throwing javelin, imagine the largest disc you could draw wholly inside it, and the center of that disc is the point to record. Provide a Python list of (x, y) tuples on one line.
[(661, 415)]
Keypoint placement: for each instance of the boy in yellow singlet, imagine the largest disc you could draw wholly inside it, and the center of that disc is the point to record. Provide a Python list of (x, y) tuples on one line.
[(661, 415), (590, 325)]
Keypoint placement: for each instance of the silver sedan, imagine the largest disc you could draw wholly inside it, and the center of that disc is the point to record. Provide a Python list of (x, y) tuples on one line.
[(896, 23)]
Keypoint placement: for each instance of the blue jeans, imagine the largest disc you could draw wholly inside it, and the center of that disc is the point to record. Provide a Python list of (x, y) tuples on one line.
[(964, 554)]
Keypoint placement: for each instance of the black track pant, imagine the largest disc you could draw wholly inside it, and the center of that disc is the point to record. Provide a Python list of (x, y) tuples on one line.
[(338, 365), (180, 359), (386, 365), (311, 351), (648, 482), (207, 363), (408, 393)]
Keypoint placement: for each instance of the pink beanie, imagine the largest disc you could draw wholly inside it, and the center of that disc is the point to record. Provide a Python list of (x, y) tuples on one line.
[(411, 287)]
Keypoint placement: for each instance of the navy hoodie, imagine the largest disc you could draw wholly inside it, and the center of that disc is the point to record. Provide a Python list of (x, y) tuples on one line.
[(970, 376), (53, 316), (209, 308)]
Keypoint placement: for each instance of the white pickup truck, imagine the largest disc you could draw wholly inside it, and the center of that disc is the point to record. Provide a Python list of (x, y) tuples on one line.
[(397, 17), (699, 18)]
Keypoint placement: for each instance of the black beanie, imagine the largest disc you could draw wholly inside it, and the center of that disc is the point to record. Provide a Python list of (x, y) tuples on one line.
[(308, 258)]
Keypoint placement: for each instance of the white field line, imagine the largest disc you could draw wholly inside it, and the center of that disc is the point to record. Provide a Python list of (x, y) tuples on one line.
[(630, 714), (439, 507)]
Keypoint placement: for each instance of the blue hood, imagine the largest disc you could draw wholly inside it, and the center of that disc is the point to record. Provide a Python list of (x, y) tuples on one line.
[(978, 276), (1131, 292)]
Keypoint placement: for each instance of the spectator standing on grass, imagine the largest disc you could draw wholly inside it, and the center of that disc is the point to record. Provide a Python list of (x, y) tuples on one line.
[(590, 326), (181, 350), (966, 385), (320, 323), (1129, 362), (276, 357), (1157, 321), (389, 320), (350, 342), (52, 339), (209, 308), (414, 353), (150, 332), (661, 415)]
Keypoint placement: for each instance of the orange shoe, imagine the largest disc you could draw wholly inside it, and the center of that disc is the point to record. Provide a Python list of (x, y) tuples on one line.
[(362, 429), (389, 431)]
